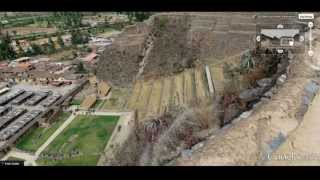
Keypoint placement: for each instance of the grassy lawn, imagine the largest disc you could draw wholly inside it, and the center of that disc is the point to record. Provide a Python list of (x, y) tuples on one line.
[(81, 143), (75, 102), (34, 139)]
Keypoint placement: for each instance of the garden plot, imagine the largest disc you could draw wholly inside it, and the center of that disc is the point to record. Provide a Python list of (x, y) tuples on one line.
[(29, 30)]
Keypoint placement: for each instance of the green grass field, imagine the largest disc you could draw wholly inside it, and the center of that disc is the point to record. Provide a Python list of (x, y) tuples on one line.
[(34, 139), (75, 102), (81, 143)]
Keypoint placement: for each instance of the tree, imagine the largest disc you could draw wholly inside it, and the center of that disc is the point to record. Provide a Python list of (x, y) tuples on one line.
[(21, 51), (138, 16), (247, 62), (80, 68), (60, 41), (6, 50), (130, 16), (36, 49), (69, 19), (75, 37), (79, 38), (51, 46), (49, 24), (14, 32), (141, 16), (29, 52)]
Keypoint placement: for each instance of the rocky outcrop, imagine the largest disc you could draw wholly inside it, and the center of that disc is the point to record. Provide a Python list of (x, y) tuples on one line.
[(120, 62)]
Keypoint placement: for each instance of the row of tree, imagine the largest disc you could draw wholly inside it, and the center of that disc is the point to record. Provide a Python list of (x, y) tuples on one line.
[(136, 16), (78, 37), (6, 50), (67, 20)]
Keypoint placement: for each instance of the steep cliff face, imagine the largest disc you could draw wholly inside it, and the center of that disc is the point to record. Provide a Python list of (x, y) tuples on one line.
[(172, 51), (120, 62)]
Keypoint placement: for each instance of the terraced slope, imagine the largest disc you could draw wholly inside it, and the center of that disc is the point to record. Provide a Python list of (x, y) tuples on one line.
[(153, 97)]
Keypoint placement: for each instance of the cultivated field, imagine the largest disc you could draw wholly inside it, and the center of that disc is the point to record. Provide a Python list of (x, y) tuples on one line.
[(29, 30), (81, 143)]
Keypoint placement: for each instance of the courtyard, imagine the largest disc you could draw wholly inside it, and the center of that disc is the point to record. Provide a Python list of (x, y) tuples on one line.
[(81, 143)]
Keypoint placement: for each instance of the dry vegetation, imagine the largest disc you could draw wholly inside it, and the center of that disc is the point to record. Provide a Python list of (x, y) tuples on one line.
[(160, 139), (153, 97)]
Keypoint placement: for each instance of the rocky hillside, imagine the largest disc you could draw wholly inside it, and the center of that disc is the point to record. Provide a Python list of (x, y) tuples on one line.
[(171, 42), (120, 62)]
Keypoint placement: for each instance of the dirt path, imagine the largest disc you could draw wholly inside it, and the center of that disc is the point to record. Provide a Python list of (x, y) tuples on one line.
[(303, 146)]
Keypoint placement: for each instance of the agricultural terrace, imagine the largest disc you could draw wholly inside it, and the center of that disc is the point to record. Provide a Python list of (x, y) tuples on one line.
[(153, 97)]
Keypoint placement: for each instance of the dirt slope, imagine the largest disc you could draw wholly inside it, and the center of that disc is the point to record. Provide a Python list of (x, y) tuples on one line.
[(304, 143), (247, 142)]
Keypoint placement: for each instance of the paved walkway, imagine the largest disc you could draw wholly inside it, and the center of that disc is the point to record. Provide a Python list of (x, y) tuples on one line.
[(54, 135), (29, 158)]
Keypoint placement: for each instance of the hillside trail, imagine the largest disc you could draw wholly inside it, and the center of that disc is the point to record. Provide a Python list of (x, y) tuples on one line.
[(148, 45)]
